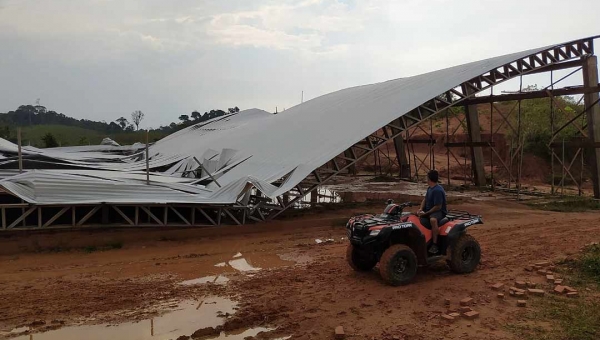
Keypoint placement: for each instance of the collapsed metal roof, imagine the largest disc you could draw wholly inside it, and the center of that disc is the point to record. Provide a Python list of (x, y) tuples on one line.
[(239, 151)]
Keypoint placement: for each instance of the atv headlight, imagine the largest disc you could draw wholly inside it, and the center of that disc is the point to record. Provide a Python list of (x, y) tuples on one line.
[(375, 232)]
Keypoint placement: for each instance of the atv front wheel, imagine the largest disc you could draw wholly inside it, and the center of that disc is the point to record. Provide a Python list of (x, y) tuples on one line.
[(465, 254), (359, 261), (398, 265)]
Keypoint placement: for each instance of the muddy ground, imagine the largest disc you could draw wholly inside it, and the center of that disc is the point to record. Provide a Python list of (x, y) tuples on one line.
[(304, 290)]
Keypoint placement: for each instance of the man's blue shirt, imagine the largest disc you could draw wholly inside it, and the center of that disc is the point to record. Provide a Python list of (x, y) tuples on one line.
[(435, 196)]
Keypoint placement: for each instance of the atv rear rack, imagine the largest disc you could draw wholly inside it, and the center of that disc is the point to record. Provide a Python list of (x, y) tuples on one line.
[(459, 215)]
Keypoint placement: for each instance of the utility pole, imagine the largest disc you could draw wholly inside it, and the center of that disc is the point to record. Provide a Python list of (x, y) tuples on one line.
[(19, 150)]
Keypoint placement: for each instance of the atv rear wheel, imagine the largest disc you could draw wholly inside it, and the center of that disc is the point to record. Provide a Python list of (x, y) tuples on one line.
[(465, 254), (398, 265), (358, 260)]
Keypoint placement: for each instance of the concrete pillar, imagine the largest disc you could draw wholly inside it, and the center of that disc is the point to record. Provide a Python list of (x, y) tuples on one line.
[(590, 78), (401, 157), (474, 130)]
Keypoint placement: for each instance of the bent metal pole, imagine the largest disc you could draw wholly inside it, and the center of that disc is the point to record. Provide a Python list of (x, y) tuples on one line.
[(147, 161)]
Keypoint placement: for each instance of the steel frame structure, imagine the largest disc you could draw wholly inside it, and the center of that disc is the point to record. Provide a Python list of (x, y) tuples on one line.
[(515, 156), (258, 208)]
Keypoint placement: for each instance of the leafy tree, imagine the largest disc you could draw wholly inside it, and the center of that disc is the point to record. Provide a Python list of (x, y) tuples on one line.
[(83, 141), (49, 140), (136, 118), (196, 115), (234, 109), (184, 118), (4, 131), (122, 122)]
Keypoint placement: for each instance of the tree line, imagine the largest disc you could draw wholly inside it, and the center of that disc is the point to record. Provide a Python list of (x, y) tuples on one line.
[(31, 115)]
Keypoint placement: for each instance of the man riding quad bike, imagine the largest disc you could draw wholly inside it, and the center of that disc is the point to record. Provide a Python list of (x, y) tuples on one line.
[(398, 241)]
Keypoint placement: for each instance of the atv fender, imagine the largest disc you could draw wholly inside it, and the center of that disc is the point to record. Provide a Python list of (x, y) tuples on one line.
[(408, 233), (460, 228)]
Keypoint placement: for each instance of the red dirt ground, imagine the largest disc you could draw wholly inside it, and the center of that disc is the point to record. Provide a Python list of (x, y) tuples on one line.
[(307, 300)]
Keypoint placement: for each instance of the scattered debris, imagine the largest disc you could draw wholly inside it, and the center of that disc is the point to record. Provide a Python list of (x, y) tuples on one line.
[(471, 315), (464, 309), (498, 286), (466, 301), (447, 317), (537, 292)]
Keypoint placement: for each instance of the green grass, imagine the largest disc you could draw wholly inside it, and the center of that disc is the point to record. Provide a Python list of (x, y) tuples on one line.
[(570, 204), (567, 318), (72, 135)]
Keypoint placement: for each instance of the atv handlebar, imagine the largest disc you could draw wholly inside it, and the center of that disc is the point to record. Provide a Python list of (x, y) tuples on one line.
[(403, 205)]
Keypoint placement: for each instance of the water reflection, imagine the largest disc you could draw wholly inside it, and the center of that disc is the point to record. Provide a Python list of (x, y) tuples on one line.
[(320, 195), (215, 279), (188, 317)]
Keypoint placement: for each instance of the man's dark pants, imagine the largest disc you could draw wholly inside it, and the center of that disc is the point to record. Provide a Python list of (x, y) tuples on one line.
[(438, 215)]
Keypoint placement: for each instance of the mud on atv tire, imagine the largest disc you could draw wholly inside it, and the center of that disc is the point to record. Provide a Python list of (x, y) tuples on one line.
[(358, 262), (398, 265), (465, 254)]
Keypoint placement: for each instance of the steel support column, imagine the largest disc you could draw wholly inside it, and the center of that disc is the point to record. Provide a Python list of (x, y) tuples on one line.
[(474, 131), (399, 146), (590, 78)]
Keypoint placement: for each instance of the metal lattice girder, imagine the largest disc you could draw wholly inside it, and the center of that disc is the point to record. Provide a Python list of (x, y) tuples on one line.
[(534, 63)]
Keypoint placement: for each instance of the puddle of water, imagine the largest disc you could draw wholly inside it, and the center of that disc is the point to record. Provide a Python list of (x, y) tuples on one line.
[(222, 264), (216, 279), (185, 320), (237, 255), (243, 333), (19, 329), (242, 265)]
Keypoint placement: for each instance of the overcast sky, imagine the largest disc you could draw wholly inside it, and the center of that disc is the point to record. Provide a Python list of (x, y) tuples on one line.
[(102, 59)]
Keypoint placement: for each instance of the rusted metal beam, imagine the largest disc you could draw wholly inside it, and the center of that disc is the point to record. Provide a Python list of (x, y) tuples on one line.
[(469, 144), (567, 91)]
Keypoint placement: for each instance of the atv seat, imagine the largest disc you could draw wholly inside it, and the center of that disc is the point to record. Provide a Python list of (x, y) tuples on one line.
[(425, 222)]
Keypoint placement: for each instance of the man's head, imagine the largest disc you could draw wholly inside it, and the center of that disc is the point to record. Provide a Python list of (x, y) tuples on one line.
[(432, 177)]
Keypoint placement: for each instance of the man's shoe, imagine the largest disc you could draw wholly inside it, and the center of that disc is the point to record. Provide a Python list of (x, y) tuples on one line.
[(433, 249)]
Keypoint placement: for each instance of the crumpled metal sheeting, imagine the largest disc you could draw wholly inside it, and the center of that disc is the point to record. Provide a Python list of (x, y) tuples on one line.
[(44, 187)]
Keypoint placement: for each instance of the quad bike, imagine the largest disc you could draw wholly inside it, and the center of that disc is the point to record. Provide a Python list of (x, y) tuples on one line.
[(398, 242)]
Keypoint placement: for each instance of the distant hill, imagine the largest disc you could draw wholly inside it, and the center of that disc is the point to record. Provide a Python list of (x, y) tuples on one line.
[(36, 122)]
